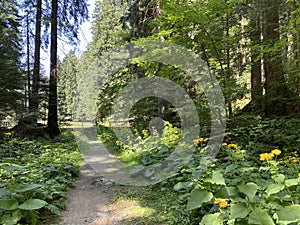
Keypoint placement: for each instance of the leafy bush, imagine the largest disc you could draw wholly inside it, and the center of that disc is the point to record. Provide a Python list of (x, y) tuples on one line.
[(34, 177), (253, 182), (146, 149), (235, 190)]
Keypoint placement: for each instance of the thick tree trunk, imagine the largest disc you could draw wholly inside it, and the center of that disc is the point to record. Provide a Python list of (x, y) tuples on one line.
[(34, 102), (52, 128), (276, 91), (256, 72)]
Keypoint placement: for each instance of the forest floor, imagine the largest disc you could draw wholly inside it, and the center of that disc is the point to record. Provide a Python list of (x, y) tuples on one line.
[(93, 200)]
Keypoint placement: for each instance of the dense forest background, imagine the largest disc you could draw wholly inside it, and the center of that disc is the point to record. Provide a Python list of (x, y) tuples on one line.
[(252, 47)]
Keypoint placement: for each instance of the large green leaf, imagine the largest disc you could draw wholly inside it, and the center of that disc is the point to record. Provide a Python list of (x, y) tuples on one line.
[(292, 182), (183, 185), (289, 213), (197, 198), (248, 189), (32, 204), (261, 217), (217, 178), (274, 188), (211, 219), (27, 187), (227, 192), (278, 178), (239, 210)]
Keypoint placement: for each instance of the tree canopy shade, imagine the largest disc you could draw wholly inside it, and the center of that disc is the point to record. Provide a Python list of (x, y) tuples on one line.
[(250, 46), (11, 78)]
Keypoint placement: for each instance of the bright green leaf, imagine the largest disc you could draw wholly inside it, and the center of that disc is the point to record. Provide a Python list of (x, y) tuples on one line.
[(27, 187), (211, 219), (32, 204), (274, 188), (289, 213), (239, 210), (261, 217), (217, 178), (183, 185), (248, 189), (292, 182), (278, 178), (197, 198)]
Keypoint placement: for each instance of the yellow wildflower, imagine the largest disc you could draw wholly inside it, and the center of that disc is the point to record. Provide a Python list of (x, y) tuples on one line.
[(201, 139), (217, 201), (223, 204), (144, 131), (224, 144), (201, 151), (294, 159), (232, 145), (270, 155), (263, 156), (8, 134), (276, 151), (196, 141), (298, 174), (266, 156), (175, 137)]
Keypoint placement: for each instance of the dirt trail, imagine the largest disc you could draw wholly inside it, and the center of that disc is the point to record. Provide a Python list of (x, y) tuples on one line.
[(90, 201)]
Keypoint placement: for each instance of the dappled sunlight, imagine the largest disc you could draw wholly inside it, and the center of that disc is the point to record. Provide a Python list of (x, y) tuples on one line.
[(131, 210)]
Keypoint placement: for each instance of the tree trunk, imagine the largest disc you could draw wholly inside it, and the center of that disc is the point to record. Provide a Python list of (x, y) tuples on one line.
[(28, 96), (34, 102), (228, 74), (256, 72), (53, 129), (276, 90)]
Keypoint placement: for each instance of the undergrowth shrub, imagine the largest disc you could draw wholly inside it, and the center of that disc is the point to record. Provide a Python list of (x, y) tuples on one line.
[(254, 179), (34, 176)]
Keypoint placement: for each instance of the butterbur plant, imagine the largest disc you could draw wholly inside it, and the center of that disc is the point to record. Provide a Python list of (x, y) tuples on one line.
[(265, 197), (34, 177)]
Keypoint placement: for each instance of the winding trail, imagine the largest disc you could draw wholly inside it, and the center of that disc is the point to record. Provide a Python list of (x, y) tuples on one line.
[(90, 200)]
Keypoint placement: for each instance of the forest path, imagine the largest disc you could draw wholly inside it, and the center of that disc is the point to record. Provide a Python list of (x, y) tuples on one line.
[(91, 201)]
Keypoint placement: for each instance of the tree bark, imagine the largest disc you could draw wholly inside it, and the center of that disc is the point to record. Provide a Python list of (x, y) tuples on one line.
[(28, 96), (256, 71), (276, 90), (52, 128), (34, 102)]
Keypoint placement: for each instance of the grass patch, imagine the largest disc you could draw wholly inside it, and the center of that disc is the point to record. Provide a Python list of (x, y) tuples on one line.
[(146, 205)]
